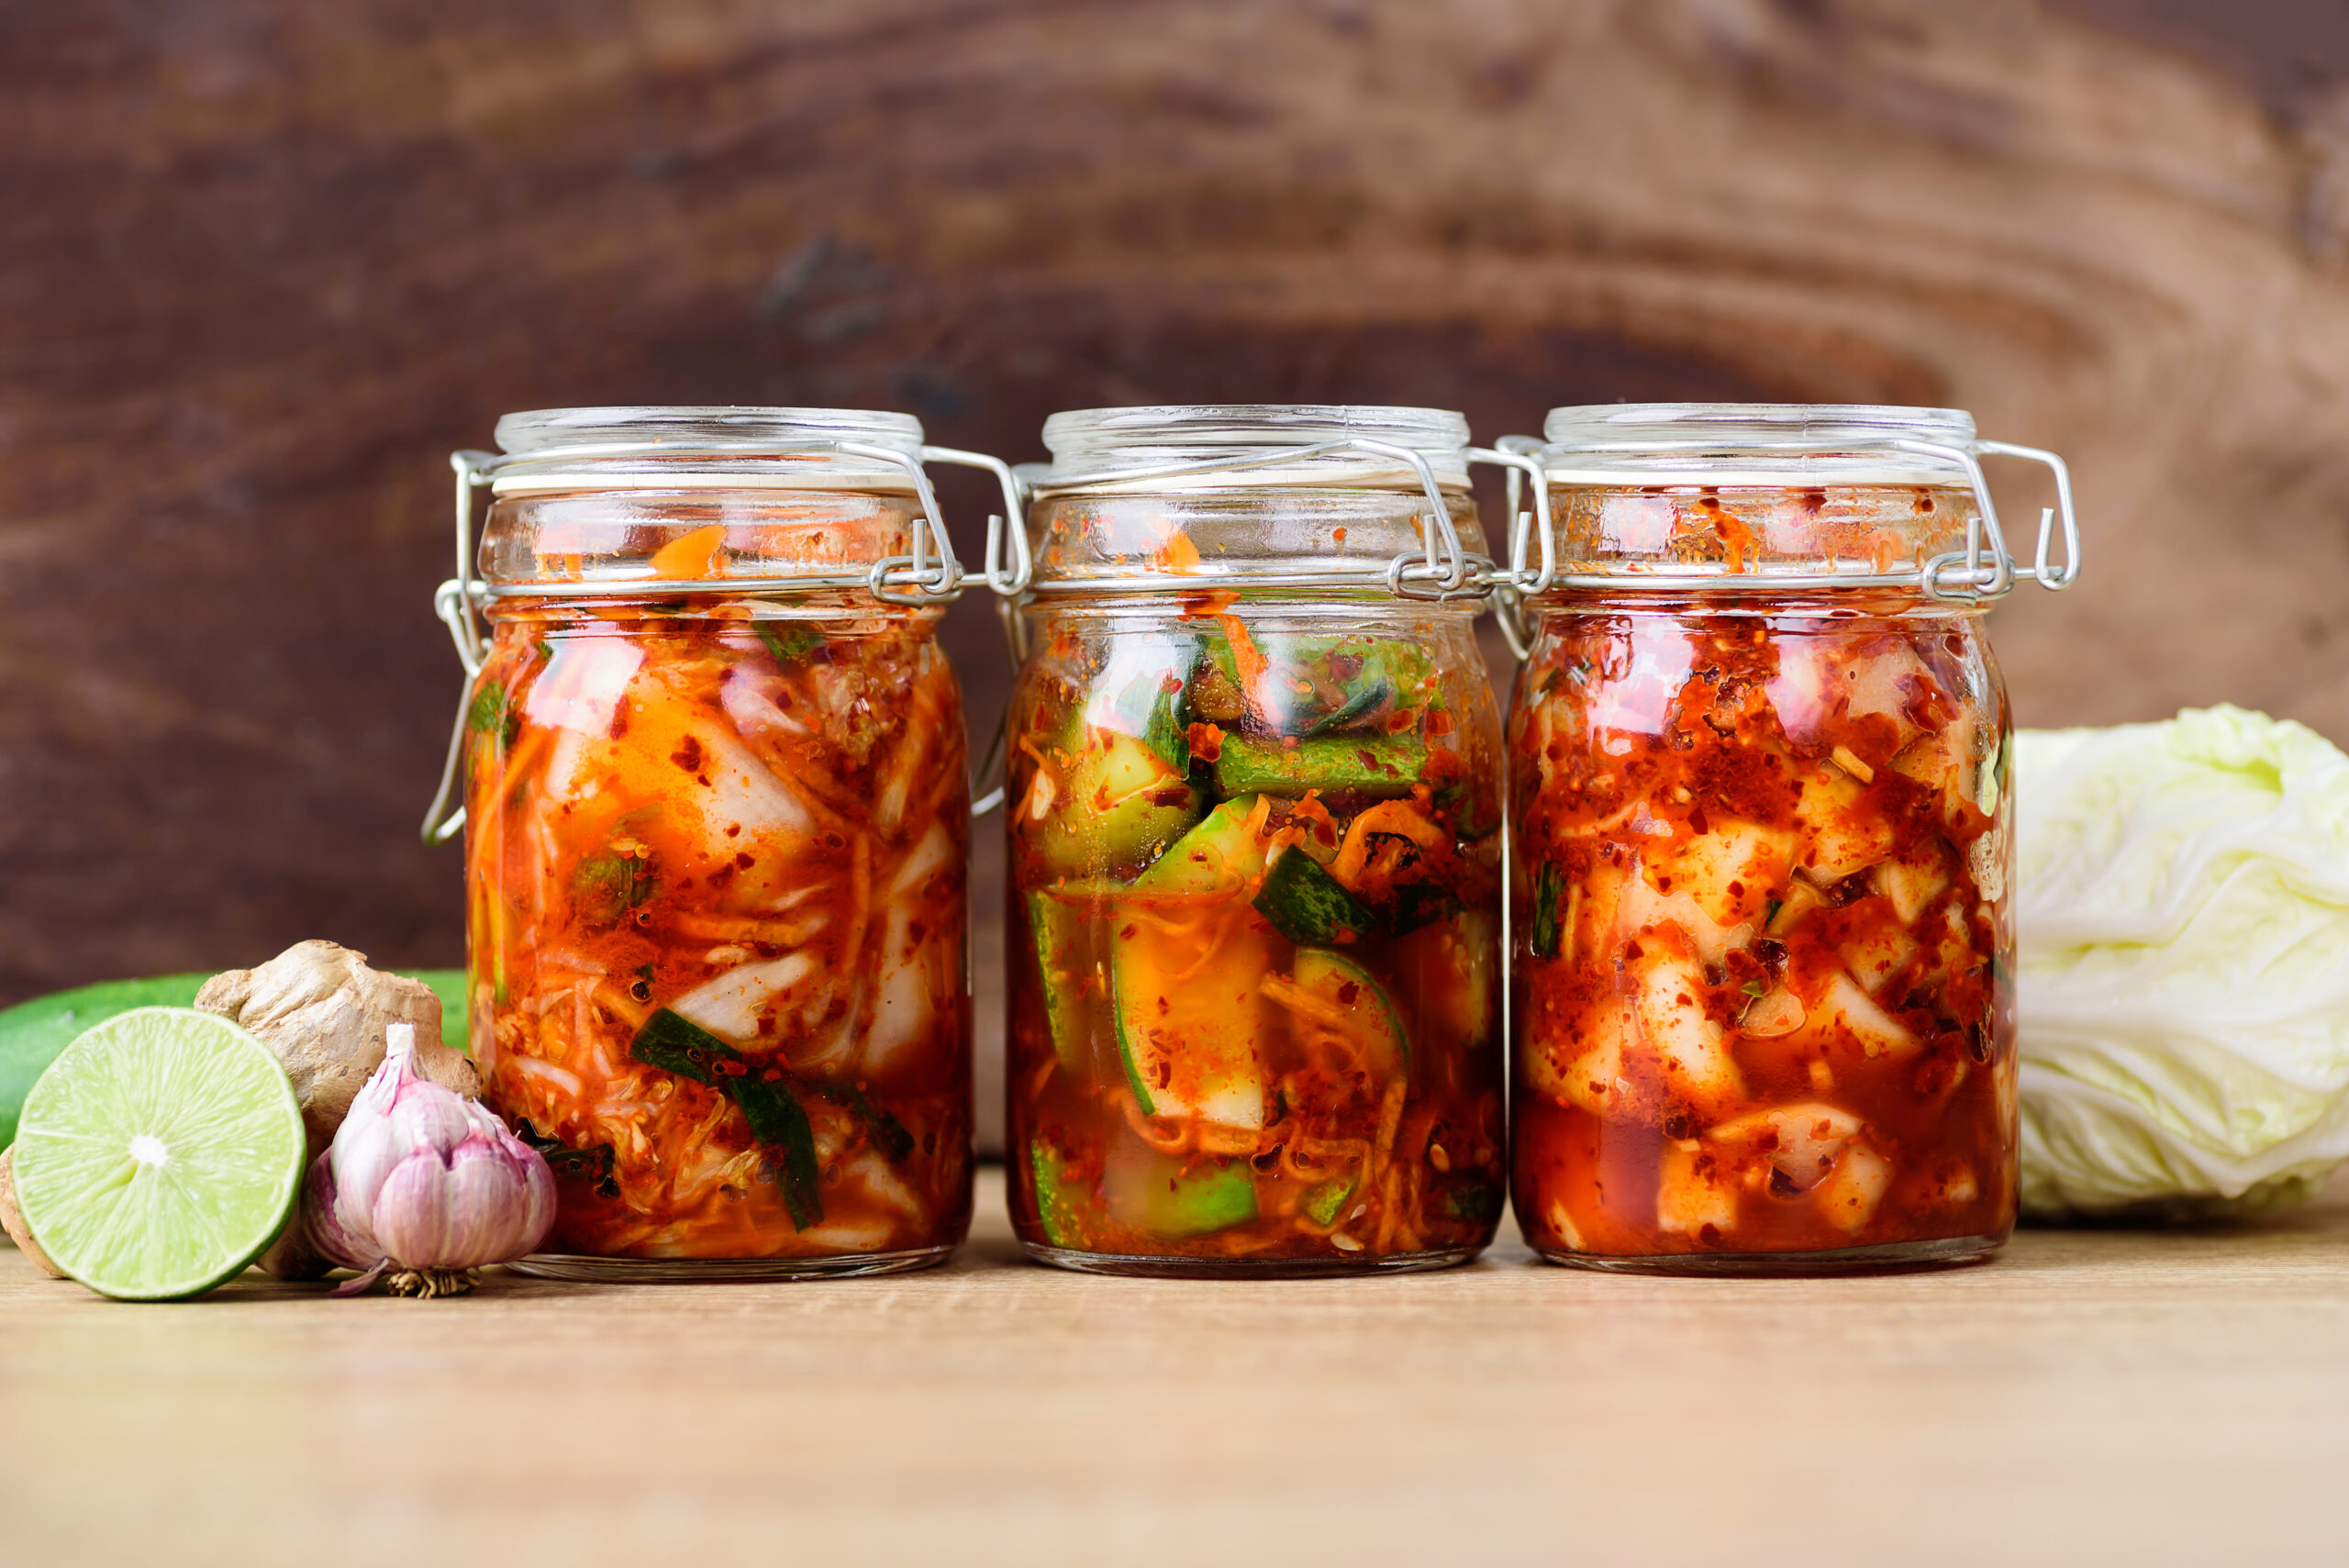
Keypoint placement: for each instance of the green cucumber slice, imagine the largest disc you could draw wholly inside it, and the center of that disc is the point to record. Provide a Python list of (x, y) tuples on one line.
[(1345, 990), (1171, 1199), (1383, 767), (1141, 692), (1063, 932), (1327, 1200), (1059, 1203), (1217, 851), (1308, 905), (1381, 674), (1185, 979), (1121, 803)]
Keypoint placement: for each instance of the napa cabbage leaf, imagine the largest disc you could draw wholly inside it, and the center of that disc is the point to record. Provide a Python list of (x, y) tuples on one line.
[(2182, 984)]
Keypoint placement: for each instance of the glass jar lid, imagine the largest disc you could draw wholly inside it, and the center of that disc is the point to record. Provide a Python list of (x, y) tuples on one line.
[(1761, 444), (716, 448), (1190, 498), (1279, 443), (1826, 458)]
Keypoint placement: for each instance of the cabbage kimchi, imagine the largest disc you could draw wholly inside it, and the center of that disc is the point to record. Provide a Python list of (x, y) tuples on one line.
[(716, 872)]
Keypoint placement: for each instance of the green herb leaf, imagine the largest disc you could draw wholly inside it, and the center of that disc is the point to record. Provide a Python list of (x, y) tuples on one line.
[(1472, 1197), (1770, 915), (776, 1119), (592, 1164), (1757, 989), (888, 1134), (1549, 927), (607, 886), (492, 712), (788, 640), (673, 1044)]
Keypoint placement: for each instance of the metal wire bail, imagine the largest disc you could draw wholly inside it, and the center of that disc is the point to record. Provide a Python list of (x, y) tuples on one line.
[(931, 573), (1511, 583), (1441, 569), (1984, 569)]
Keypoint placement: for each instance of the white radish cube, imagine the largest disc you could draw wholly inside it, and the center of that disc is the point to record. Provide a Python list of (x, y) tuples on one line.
[(1691, 1193)]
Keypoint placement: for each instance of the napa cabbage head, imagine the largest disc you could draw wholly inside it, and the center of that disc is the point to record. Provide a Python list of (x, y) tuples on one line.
[(2182, 977)]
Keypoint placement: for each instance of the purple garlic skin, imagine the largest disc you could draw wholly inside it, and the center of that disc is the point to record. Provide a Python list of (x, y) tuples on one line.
[(421, 1179)]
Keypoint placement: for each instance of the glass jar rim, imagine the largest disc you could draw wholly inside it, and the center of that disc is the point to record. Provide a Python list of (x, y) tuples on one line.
[(715, 445), (1756, 444), (1130, 444), (1793, 429), (540, 431)]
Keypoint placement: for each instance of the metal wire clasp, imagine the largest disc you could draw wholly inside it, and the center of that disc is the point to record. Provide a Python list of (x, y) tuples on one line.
[(931, 573), (1441, 568), (1967, 577), (1984, 569), (1520, 578)]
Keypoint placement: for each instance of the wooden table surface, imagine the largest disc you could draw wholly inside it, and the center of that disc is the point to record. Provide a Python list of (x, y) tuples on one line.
[(2089, 1397)]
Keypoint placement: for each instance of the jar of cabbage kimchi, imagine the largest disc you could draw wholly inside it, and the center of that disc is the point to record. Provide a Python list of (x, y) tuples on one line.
[(1254, 807), (1762, 919), (712, 762)]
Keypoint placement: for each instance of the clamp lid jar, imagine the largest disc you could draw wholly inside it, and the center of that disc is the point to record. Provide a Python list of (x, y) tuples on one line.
[(716, 815), (1255, 814), (1760, 841)]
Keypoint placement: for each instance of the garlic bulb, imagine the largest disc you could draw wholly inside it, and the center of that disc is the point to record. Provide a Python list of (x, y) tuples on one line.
[(423, 1183)]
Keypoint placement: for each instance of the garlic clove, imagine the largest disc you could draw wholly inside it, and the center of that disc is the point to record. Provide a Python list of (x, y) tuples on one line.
[(427, 1179), (321, 1219), (425, 1209)]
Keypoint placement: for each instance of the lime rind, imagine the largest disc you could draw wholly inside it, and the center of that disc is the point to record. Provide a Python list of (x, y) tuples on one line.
[(160, 1154)]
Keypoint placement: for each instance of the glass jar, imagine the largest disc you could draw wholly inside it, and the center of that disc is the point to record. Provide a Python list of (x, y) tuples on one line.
[(1255, 810), (1763, 1016), (716, 817)]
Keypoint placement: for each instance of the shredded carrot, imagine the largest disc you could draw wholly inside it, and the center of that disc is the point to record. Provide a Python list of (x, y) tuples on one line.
[(1311, 810), (1304, 1003), (1178, 555), (1214, 602), (1396, 816), (1246, 658), (691, 555)]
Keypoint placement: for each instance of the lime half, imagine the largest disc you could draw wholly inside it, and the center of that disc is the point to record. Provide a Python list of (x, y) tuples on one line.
[(159, 1153)]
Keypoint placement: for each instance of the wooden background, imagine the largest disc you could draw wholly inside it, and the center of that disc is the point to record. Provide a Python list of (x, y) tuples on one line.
[(264, 262)]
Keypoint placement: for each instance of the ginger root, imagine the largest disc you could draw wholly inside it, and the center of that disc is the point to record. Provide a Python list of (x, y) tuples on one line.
[(323, 1012), (12, 1218)]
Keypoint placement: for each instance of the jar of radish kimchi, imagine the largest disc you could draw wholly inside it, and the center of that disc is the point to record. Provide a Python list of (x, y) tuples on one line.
[(1763, 922), (711, 767), (1254, 803)]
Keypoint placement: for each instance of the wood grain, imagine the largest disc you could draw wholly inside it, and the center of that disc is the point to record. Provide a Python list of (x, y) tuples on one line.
[(2090, 1396)]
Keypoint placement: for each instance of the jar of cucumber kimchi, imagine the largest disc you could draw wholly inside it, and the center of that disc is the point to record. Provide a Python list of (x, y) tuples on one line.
[(1762, 882), (1254, 806), (712, 762)]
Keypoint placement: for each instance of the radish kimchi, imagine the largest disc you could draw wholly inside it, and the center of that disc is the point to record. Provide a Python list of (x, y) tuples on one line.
[(1763, 1005)]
